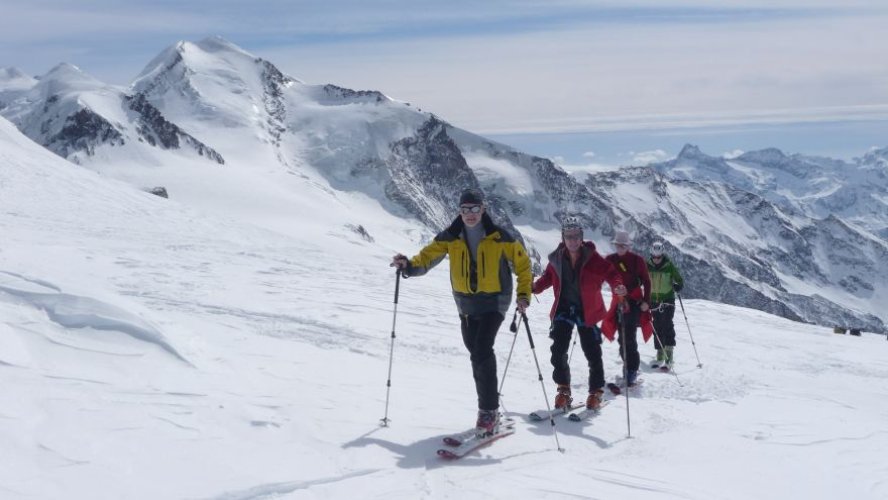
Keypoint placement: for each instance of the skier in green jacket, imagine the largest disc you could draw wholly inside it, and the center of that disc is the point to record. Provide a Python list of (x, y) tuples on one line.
[(665, 281)]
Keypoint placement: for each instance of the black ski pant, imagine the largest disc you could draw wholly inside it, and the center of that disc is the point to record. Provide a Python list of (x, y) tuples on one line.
[(628, 329), (590, 341), (663, 313), (479, 334)]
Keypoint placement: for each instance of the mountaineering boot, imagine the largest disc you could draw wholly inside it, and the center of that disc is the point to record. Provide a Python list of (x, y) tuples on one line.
[(562, 397), (487, 423), (661, 358), (593, 402), (669, 356), (631, 377)]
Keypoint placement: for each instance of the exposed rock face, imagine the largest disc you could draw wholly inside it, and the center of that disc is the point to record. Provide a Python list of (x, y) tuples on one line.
[(154, 129), (83, 131)]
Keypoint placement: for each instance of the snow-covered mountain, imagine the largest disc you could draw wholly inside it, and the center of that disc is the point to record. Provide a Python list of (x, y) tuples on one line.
[(77, 117), (814, 186), (152, 349), (738, 248), (304, 145)]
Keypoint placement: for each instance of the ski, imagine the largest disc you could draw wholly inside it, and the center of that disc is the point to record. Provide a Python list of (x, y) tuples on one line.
[(584, 413), (662, 366), (539, 415), (474, 442), (616, 388), (459, 439)]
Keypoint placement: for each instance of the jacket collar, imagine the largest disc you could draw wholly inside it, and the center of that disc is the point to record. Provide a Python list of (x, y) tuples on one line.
[(588, 250), (456, 228)]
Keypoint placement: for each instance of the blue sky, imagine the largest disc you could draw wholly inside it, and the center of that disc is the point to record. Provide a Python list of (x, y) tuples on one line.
[(590, 81)]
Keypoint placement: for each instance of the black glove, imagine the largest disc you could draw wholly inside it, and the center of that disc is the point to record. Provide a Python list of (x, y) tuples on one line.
[(677, 286)]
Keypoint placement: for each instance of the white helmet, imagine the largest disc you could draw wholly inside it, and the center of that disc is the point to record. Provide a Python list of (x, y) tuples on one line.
[(657, 249), (571, 222)]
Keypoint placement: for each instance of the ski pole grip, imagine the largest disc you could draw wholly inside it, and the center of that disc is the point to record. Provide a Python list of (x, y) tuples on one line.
[(397, 283)]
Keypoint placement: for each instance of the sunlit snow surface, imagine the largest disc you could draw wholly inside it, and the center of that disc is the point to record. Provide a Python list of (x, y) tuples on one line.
[(150, 350)]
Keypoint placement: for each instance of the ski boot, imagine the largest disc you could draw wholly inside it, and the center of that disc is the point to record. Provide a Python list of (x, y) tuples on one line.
[(563, 398), (488, 423), (670, 360), (593, 402), (631, 378), (661, 358)]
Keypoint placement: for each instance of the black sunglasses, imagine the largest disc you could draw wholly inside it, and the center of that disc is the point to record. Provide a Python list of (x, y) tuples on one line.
[(474, 209)]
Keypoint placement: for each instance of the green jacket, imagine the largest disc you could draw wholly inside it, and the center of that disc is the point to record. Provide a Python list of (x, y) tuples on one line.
[(662, 276)]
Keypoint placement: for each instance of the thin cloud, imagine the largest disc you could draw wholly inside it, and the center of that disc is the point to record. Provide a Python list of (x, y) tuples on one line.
[(647, 157), (510, 67)]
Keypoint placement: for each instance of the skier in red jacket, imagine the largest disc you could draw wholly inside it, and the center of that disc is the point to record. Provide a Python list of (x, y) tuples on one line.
[(633, 269), (576, 271)]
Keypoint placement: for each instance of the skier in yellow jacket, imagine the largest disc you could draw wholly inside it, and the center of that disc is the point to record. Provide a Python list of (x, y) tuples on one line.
[(480, 256)]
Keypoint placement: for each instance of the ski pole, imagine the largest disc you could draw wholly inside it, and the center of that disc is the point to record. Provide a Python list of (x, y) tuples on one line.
[(620, 318), (570, 356), (514, 329), (388, 383), (699, 364), (540, 376)]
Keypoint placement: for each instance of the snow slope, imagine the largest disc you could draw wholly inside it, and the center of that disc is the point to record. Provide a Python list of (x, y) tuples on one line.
[(151, 350)]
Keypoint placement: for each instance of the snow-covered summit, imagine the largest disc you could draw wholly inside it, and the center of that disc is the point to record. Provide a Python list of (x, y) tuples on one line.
[(78, 117), (290, 141)]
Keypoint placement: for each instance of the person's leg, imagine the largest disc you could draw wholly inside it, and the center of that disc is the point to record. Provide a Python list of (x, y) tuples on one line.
[(479, 335), (658, 316), (560, 333), (667, 317), (590, 341), (628, 329)]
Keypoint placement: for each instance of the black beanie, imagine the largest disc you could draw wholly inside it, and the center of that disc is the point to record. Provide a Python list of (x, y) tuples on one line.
[(471, 197)]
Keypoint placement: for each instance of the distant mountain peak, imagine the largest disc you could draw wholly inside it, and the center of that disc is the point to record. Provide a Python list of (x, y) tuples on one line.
[(767, 155), (875, 157), (216, 44), (691, 151), (12, 73)]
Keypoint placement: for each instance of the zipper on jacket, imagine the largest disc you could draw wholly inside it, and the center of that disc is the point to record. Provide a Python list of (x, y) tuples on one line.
[(483, 263)]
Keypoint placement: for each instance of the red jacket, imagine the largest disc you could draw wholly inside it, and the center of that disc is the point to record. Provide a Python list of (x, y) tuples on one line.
[(594, 271), (634, 271), (645, 321)]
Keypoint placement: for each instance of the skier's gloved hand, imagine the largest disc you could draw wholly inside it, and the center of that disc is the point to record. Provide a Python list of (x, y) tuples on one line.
[(677, 286), (645, 307), (522, 304), (400, 261)]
